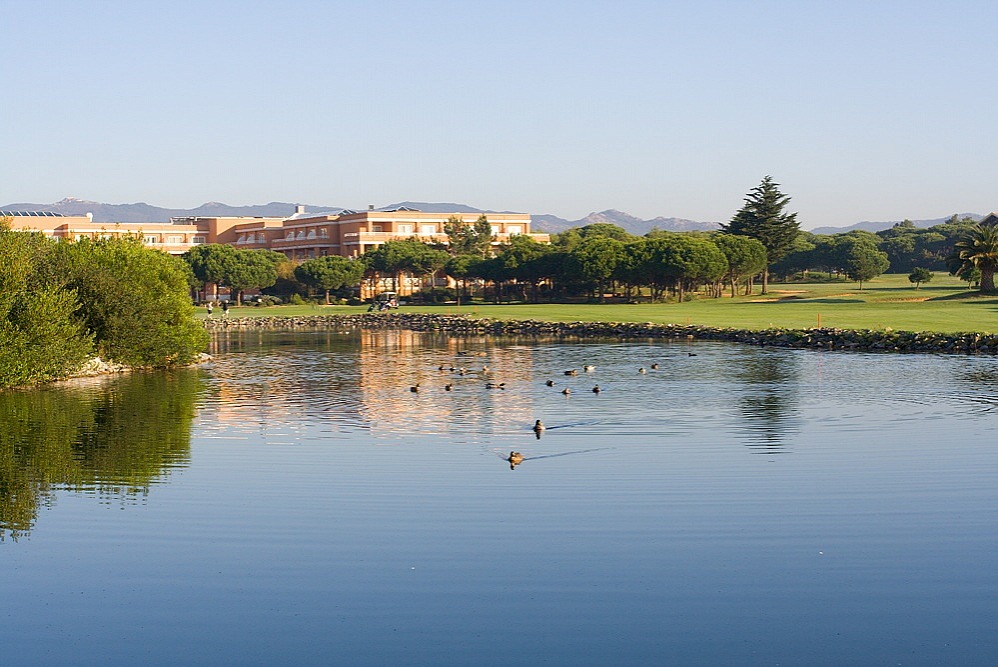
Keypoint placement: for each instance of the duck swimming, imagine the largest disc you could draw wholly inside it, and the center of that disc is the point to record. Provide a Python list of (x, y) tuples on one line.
[(549, 383), (515, 459), (538, 426), (596, 389)]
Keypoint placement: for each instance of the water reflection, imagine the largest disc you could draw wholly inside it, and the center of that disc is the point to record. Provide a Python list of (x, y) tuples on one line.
[(768, 401), (113, 437)]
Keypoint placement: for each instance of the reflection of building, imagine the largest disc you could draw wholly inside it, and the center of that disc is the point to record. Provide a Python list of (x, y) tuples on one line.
[(352, 378), (300, 236)]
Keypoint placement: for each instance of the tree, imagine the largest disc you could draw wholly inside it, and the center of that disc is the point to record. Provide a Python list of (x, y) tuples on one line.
[(762, 218), (41, 338), (919, 275), (976, 249), (607, 230), (460, 268), (211, 263), (861, 259), (251, 269), (405, 256), (690, 260), (134, 300), (329, 273), (520, 260), (746, 257), (464, 239), (596, 259)]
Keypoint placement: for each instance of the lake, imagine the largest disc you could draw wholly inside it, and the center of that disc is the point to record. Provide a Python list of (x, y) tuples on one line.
[(295, 501)]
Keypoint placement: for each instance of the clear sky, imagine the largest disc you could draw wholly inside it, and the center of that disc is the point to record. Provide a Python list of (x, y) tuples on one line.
[(861, 110)]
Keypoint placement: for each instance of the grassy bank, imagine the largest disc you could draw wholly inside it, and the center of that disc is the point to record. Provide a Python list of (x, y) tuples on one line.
[(944, 305)]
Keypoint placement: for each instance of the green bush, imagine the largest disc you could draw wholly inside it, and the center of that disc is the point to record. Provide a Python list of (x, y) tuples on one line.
[(40, 336), (134, 300)]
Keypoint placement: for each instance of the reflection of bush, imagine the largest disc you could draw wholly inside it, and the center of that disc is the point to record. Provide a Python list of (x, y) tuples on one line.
[(116, 438)]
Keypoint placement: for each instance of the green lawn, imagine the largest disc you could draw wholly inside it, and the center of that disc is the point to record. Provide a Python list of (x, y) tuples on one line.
[(890, 301)]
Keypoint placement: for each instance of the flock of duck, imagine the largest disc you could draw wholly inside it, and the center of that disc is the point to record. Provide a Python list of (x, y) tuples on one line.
[(516, 458)]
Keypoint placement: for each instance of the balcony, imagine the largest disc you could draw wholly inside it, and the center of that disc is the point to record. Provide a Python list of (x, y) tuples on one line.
[(354, 238)]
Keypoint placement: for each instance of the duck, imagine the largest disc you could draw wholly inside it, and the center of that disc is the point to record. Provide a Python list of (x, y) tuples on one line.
[(515, 459), (691, 354), (596, 389), (495, 385), (566, 391), (414, 388), (448, 387), (539, 426), (549, 383), (588, 368), (654, 367), (642, 370), (572, 372)]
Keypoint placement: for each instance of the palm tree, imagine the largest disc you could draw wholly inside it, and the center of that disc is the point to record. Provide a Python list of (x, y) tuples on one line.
[(977, 249)]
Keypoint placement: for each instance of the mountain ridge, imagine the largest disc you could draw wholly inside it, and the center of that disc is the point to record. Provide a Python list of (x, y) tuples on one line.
[(542, 222)]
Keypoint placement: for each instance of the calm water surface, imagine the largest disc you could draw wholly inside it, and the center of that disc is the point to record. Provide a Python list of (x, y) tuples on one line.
[(295, 502)]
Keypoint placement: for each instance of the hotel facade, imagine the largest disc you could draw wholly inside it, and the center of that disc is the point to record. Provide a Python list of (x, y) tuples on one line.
[(300, 236)]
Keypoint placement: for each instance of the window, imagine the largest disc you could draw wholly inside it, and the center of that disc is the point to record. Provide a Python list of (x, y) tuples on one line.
[(198, 240), (513, 230), (241, 239), (405, 230), (300, 235), (427, 230), (290, 236), (175, 240), (377, 228), (495, 229), (150, 240), (324, 233)]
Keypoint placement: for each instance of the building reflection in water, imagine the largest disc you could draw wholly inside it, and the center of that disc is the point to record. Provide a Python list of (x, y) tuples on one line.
[(352, 379), (113, 437)]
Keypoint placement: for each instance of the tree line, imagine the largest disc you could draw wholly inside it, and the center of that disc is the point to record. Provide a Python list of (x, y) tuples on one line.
[(761, 239)]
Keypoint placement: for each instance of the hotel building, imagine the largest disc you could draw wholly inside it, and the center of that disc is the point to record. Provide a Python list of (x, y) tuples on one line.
[(300, 236)]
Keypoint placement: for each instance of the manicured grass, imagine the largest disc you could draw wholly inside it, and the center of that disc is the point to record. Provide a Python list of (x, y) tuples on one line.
[(890, 301)]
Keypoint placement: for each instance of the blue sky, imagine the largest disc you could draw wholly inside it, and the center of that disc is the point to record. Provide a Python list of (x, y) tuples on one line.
[(860, 110)]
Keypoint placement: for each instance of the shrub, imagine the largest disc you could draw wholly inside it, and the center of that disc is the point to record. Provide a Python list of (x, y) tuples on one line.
[(135, 301)]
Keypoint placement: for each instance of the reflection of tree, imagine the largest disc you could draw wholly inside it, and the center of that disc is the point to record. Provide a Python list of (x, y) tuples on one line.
[(768, 404), (117, 438)]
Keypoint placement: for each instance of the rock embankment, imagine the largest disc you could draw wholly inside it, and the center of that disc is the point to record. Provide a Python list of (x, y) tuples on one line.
[(816, 339)]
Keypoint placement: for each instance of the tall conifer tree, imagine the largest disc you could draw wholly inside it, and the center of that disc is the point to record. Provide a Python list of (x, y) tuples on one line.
[(762, 218)]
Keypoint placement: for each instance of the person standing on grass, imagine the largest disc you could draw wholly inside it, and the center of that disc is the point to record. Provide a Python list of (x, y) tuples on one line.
[(209, 308), (225, 309)]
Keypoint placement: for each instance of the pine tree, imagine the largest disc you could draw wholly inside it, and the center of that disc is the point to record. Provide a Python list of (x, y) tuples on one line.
[(762, 218)]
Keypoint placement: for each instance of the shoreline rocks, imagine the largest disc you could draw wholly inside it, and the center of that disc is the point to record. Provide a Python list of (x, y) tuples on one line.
[(856, 340)]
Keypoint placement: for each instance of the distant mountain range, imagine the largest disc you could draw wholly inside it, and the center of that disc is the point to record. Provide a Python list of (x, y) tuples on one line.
[(142, 212), (879, 226)]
